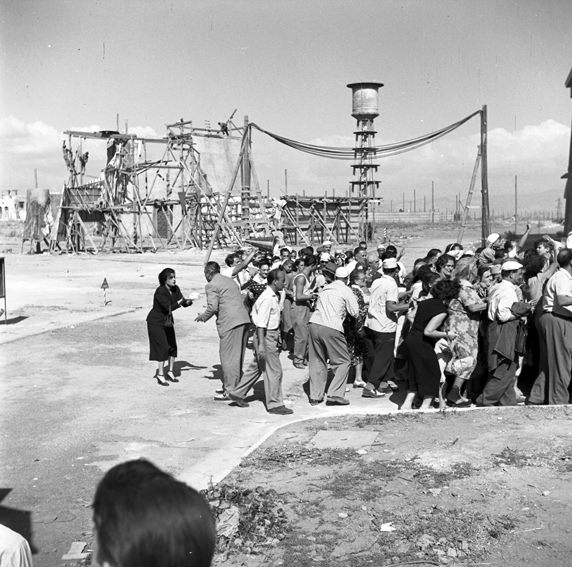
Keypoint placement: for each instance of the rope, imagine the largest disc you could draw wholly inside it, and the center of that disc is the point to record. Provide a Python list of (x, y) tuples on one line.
[(374, 152)]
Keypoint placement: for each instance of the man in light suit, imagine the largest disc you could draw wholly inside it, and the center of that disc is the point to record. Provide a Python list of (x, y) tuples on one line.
[(225, 301)]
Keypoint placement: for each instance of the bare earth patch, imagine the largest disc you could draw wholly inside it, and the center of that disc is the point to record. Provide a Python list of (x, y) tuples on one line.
[(487, 487)]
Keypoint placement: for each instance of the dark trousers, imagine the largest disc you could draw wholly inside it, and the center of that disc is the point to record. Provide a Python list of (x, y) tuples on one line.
[(500, 386), (379, 365)]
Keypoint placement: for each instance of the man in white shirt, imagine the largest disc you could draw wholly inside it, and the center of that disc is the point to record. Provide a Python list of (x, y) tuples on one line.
[(555, 333), (505, 313), (14, 549), (327, 340), (266, 318), (236, 268), (381, 326)]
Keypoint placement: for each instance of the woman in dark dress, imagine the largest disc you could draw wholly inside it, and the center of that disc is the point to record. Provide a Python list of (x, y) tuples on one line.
[(424, 374), (162, 341), (353, 327)]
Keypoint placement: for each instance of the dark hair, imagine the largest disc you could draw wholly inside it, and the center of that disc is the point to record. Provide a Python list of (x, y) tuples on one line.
[(310, 261), (146, 518), (356, 250), (349, 256), (273, 274), (364, 244), (433, 252), (544, 243), (299, 262), (391, 248), (500, 253), (532, 266), (482, 269), (446, 289), (389, 253), (564, 257), (355, 275), (422, 273), (453, 246), (229, 260), (427, 281), (282, 250), (164, 275), (264, 261), (212, 268), (442, 261)]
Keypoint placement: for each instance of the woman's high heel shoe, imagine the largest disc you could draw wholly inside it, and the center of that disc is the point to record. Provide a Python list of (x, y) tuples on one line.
[(170, 376), (161, 382)]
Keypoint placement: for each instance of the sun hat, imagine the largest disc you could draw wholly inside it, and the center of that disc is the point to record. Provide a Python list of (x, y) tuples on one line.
[(511, 266), (389, 264), (342, 272)]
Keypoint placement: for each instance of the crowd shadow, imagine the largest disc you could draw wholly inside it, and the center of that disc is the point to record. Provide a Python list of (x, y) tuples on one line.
[(13, 320), (19, 521), (216, 371), (184, 366)]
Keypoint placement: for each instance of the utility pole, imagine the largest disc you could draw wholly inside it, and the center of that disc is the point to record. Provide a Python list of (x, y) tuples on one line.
[(286, 181), (403, 201), (433, 202), (485, 226), (414, 201), (515, 203)]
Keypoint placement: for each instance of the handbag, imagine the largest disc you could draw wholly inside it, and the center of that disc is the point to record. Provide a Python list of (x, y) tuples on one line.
[(169, 321)]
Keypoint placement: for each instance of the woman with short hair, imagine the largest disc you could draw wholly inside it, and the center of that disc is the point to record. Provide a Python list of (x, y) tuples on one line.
[(162, 340)]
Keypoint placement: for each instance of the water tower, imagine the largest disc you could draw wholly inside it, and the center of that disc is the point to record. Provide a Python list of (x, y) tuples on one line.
[(364, 110)]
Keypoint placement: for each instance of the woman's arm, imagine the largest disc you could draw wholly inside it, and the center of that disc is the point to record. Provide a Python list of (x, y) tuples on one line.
[(431, 328)]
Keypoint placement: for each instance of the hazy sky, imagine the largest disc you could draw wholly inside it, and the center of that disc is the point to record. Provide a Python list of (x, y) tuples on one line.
[(286, 64)]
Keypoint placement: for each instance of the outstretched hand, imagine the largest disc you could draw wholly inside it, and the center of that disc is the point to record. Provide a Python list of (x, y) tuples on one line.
[(199, 318)]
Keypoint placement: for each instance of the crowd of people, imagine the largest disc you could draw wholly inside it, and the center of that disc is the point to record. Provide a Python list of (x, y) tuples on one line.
[(489, 326)]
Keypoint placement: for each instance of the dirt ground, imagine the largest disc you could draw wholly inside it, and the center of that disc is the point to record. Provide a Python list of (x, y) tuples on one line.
[(77, 393), (485, 487)]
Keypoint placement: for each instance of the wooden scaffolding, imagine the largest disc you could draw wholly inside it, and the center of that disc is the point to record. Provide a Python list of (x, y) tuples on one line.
[(162, 201)]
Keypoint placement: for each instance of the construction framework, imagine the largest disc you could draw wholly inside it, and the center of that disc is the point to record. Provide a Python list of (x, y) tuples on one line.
[(167, 201)]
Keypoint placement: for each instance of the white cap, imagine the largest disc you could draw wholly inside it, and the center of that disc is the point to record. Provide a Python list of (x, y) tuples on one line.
[(492, 238), (381, 246), (389, 264), (511, 266), (342, 272), (326, 243)]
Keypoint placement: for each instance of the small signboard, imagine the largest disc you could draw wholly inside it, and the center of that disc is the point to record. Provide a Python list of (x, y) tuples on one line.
[(104, 285)]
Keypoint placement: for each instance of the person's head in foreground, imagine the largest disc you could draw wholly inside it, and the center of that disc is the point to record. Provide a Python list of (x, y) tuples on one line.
[(145, 518)]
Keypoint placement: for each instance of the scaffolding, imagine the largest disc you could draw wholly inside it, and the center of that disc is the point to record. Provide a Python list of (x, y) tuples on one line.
[(154, 193)]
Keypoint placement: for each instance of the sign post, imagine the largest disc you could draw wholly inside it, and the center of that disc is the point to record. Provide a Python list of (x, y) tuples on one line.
[(104, 287)]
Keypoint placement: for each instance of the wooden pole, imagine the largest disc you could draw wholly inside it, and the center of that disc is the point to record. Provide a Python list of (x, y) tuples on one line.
[(485, 223), (36, 177), (245, 179), (414, 200), (286, 181)]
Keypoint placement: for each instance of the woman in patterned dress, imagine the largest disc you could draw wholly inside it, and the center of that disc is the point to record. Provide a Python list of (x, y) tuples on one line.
[(463, 326), (353, 327)]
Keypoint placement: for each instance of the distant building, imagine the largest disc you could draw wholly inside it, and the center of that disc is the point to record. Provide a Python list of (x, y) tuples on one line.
[(12, 206)]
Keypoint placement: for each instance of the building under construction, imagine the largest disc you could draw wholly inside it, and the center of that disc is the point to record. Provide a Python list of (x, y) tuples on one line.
[(196, 187)]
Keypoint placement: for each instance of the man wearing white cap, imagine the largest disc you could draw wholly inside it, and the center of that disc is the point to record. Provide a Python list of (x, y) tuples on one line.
[(327, 246), (507, 317), (327, 340), (381, 326), (555, 332)]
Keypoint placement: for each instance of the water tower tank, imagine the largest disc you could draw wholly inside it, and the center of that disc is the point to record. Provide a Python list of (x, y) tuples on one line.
[(364, 100)]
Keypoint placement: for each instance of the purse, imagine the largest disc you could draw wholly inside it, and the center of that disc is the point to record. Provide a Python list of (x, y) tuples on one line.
[(169, 321)]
